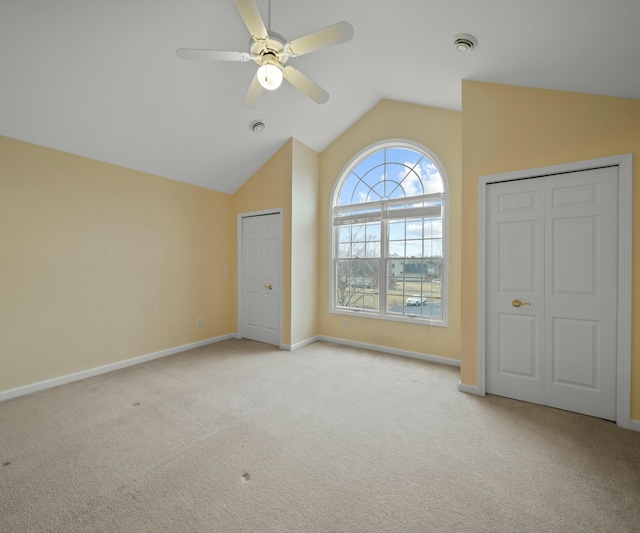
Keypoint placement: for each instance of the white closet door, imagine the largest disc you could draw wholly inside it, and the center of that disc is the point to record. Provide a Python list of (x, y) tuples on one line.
[(581, 291), (551, 290), (261, 275), (515, 271)]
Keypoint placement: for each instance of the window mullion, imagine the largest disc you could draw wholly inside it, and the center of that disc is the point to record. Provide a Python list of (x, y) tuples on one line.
[(335, 273), (382, 272)]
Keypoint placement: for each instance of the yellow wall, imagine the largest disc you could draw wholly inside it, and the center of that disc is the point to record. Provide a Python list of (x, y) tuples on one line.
[(509, 128), (440, 131), (271, 188), (304, 243), (97, 261)]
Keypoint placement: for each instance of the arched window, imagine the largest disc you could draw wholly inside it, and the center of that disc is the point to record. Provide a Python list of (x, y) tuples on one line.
[(389, 243)]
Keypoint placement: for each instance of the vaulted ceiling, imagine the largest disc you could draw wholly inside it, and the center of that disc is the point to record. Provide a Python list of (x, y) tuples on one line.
[(100, 78)]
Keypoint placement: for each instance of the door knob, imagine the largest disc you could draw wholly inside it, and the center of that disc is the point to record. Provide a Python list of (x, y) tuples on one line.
[(519, 303), (268, 287)]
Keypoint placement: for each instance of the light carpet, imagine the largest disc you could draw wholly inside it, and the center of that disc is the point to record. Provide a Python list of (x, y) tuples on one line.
[(240, 436)]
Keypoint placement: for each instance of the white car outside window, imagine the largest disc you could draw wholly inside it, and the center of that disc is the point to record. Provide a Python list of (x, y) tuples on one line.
[(416, 299)]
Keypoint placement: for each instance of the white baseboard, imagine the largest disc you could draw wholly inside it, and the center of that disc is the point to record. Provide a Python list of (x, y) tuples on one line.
[(392, 351), (469, 389), (634, 425), (69, 378), (291, 347)]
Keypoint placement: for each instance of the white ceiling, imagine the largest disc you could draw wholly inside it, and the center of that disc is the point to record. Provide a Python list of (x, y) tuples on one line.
[(99, 78)]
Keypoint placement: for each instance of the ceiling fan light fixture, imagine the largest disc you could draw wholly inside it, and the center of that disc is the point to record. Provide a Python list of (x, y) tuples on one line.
[(270, 73), (464, 42)]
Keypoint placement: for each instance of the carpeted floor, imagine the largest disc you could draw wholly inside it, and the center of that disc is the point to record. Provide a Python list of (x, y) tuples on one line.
[(239, 436)]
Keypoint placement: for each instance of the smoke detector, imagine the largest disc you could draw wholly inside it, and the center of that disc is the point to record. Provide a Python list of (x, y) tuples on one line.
[(257, 126), (465, 43)]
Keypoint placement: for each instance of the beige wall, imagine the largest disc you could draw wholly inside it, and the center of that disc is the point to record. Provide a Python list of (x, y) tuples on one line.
[(271, 188), (97, 261), (304, 243), (440, 131), (509, 128)]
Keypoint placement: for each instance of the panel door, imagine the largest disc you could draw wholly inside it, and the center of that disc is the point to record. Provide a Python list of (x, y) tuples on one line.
[(261, 278), (551, 290), (581, 291), (515, 251)]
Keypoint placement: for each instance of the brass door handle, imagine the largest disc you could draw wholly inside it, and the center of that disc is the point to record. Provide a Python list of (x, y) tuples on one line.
[(519, 303), (268, 287)]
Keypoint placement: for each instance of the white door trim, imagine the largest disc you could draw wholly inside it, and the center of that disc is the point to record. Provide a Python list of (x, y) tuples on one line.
[(625, 224), (239, 298)]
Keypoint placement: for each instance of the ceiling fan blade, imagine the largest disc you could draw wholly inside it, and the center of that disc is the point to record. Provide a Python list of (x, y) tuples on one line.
[(337, 33), (254, 92), (211, 55), (304, 84), (252, 18)]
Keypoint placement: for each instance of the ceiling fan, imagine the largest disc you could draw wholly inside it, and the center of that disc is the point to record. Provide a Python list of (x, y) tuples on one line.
[(271, 51)]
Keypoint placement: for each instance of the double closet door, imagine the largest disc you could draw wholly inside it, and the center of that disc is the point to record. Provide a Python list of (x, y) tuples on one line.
[(552, 290)]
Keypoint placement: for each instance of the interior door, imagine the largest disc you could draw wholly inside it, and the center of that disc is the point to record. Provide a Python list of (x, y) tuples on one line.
[(261, 278), (552, 290), (515, 251)]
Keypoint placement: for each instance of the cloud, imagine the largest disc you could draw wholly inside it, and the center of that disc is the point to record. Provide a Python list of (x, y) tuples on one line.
[(432, 228), (422, 177)]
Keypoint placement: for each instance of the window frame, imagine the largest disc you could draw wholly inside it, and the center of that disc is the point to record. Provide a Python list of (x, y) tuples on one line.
[(382, 313)]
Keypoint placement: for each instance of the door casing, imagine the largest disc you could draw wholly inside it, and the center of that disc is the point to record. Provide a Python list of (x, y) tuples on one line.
[(240, 299), (625, 224)]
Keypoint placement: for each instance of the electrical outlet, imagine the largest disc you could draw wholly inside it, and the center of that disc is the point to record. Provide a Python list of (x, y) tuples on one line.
[(226, 271), (199, 322), (345, 323)]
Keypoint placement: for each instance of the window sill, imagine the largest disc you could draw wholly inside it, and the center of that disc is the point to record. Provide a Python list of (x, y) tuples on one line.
[(407, 319)]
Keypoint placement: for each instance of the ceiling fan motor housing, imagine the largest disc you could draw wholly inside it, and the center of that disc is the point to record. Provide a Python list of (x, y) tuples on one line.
[(273, 46)]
